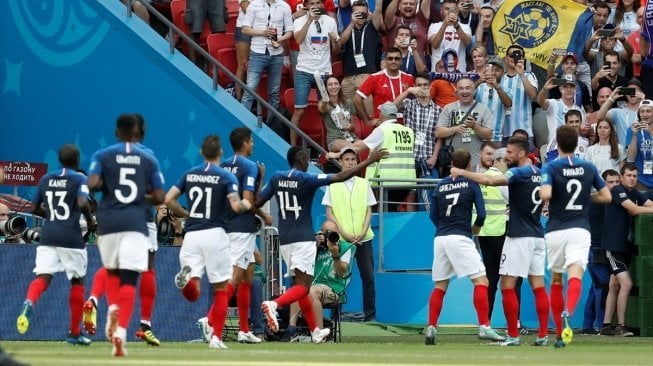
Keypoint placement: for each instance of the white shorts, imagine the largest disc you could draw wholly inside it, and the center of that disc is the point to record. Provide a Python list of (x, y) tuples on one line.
[(207, 250), (456, 255), (568, 246), (125, 250), (51, 259), (242, 248), (522, 257), (152, 236), (300, 256)]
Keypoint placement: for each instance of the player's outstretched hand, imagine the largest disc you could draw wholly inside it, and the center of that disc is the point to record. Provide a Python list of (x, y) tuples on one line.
[(376, 155)]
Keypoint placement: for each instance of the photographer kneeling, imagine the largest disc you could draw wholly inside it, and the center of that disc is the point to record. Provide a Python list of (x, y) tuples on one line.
[(332, 274)]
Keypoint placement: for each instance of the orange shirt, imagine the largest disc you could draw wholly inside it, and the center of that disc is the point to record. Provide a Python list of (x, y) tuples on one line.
[(443, 92)]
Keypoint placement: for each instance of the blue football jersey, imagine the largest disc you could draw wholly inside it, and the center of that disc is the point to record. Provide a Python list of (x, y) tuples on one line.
[(207, 187), (451, 210), (151, 212), (571, 180), (524, 202), (294, 191), (58, 192), (127, 173), (246, 172)]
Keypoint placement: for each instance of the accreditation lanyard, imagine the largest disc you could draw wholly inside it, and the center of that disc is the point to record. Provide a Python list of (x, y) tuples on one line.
[(353, 39), (392, 87)]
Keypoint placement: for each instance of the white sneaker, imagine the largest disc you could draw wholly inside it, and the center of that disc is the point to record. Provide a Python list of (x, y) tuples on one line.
[(207, 330), (270, 311), (112, 321), (486, 332), (119, 342), (248, 337), (319, 335), (217, 343), (182, 277)]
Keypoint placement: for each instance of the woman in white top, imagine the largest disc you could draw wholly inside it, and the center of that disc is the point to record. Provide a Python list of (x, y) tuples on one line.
[(337, 113), (606, 153), (479, 59), (625, 16)]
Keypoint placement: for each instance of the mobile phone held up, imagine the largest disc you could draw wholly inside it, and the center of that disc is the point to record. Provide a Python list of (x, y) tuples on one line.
[(627, 91)]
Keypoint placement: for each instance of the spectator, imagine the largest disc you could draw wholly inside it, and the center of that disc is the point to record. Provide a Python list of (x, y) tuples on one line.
[(597, 46), (406, 12), (638, 143), (609, 76), (625, 16), (625, 116), (299, 9), (593, 118), (491, 94), (479, 60), (449, 34), (569, 66), (337, 113), (332, 273), (197, 12), (597, 264), (556, 109), (572, 118), (633, 40), (645, 47), (483, 31), (442, 91), (242, 44), (468, 13), (317, 36), (522, 86), (606, 153), (411, 61), (384, 86), (466, 122), (269, 24), (361, 49), (619, 247)]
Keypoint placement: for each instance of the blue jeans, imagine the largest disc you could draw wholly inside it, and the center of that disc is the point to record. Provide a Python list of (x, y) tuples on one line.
[(303, 84), (595, 303), (259, 62)]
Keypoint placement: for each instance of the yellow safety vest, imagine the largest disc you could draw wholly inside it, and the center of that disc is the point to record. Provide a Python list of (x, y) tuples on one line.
[(350, 208), (495, 209), (399, 141)]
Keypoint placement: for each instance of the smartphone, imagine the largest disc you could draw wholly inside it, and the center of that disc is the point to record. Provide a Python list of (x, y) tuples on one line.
[(468, 6), (605, 33), (321, 11), (559, 51), (627, 91), (559, 81)]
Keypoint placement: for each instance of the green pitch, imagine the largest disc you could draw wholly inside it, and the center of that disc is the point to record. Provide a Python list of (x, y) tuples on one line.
[(461, 348)]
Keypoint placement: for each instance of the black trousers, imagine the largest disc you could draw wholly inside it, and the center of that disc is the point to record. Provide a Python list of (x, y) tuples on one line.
[(365, 262), (491, 247)]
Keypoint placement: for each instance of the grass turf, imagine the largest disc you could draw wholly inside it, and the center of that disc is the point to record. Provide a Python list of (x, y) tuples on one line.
[(453, 348)]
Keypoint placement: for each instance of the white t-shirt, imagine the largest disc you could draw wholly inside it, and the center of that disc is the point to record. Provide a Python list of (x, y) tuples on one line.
[(599, 155), (260, 14), (450, 40), (349, 183), (315, 51), (555, 116)]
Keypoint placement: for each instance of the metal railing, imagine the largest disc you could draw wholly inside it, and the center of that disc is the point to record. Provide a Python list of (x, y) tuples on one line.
[(383, 187), (174, 30)]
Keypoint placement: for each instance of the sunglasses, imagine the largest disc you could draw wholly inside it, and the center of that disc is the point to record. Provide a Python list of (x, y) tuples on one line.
[(393, 58)]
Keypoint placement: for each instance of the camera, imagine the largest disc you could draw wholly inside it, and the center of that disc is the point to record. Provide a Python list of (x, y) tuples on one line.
[(604, 33), (516, 55), (627, 91), (330, 236), (15, 227), (321, 11)]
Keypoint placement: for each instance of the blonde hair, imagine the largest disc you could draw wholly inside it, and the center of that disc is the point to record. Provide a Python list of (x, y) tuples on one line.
[(481, 49)]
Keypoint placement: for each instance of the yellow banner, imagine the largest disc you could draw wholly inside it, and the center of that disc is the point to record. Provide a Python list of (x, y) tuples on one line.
[(538, 26)]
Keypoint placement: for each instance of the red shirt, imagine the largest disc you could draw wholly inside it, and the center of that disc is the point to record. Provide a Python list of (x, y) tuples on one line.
[(419, 25), (384, 88), (299, 4)]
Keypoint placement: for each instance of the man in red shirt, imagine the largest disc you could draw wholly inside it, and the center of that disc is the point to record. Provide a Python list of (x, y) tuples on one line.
[(384, 86), (406, 12)]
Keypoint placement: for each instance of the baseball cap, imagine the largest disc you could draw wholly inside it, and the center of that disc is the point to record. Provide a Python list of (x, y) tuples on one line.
[(569, 79), (635, 81), (500, 153), (646, 103), (347, 149), (572, 55), (388, 109), (495, 60)]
